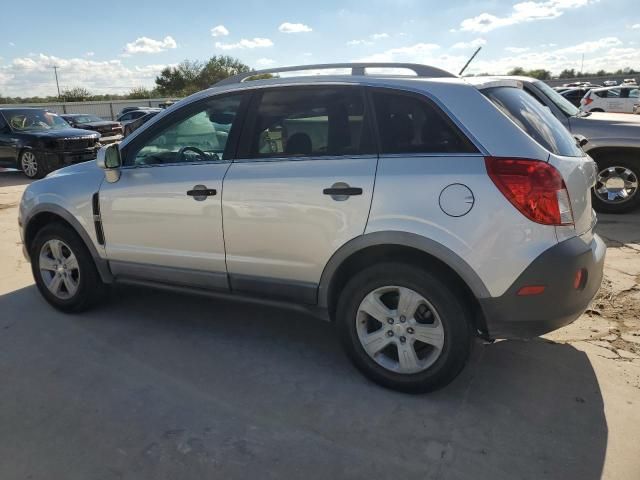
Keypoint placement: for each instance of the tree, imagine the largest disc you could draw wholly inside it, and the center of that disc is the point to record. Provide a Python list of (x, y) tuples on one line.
[(192, 76), (517, 71), (566, 73), (140, 92), (540, 74), (76, 94)]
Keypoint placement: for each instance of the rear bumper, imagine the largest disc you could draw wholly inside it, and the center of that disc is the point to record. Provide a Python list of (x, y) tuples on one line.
[(513, 316)]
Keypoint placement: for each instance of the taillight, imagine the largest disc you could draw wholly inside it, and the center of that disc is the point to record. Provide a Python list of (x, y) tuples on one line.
[(587, 100), (534, 187)]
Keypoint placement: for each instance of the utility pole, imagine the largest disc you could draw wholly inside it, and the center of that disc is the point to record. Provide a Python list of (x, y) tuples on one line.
[(582, 65), (55, 71)]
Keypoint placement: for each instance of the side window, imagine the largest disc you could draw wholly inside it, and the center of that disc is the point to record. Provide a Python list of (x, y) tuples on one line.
[(635, 93), (410, 124), (4, 127), (613, 93), (201, 136), (125, 117), (311, 121)]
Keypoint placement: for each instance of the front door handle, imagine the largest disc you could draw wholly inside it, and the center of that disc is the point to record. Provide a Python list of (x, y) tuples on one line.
[(342, 191), (201, 192)]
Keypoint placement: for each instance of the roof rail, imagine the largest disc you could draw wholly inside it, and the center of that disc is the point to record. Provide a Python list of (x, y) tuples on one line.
[(356, 69)]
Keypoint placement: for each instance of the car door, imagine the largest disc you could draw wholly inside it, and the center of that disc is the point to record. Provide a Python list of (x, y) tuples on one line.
[(8, 145), (614, 101), (300, 188), (631, 98), (162, 219)]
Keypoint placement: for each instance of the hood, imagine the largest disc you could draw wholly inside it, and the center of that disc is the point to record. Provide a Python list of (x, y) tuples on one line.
[(62, 133), (84, 168), (599, 127), (104, 123)]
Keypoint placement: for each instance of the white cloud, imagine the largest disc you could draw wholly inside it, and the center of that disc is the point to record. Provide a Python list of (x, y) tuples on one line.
[(527, 11), (379, 36), (478, 42), (636, 26), (516, 49), (31, 76), (89, 54), (370, 40), (590, 47), (359, 42), (219, 31), (265, 62), (246, 43), (411, 53), (287, 27), (149, 45)]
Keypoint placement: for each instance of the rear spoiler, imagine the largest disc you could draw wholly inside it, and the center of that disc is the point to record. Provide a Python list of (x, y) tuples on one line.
[(484, 83)]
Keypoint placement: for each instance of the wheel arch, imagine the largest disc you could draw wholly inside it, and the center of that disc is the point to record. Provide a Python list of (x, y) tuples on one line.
[(404, 247), (44, 215), (604, 152)]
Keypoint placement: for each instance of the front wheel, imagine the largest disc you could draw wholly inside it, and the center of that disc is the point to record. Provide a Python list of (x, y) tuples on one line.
[(64, 270), (30, 165), (404, 327), (616, 189)]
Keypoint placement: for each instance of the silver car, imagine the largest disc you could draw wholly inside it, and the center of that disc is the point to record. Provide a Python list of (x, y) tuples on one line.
[(415, 212)]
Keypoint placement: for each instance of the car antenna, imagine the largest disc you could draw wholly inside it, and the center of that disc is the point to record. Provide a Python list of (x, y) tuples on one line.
[(469, 61)]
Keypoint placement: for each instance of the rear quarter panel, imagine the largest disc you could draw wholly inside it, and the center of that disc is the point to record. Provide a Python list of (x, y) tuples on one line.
[(495, 240)]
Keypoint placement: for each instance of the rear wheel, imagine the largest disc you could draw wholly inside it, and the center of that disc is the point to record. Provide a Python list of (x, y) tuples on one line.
[(30, 165), (64, 270), (404, 328), (597, 110), (616, 189)]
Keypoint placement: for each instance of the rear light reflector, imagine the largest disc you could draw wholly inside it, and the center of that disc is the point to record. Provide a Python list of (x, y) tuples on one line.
[(531, 290), (580, 279), (534, 187)]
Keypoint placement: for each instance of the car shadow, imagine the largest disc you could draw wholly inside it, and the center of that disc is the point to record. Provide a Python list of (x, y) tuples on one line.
[(12, 178), (182, 384)]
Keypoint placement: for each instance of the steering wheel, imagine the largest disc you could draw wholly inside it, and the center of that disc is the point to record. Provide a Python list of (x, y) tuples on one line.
[(183, 150)]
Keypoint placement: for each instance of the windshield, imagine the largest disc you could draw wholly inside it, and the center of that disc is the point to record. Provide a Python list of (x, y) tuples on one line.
[(87, 119), (30, 120), (562, 103), (534, 119)]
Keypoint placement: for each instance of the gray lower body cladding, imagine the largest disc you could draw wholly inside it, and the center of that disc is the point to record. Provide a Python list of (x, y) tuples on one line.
[(516, 316)]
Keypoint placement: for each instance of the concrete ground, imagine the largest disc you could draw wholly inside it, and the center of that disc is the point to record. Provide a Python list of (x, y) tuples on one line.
[(154, 385)]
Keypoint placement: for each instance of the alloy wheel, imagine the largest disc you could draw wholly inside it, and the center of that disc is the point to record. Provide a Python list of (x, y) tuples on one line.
[(616, 184), (29, 164), (400, 329), (59, 269)]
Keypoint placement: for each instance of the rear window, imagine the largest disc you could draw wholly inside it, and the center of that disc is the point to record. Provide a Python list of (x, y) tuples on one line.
[(534, 119)]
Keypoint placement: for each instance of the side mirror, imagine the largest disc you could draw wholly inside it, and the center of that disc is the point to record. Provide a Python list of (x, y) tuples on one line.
[(109, 160)]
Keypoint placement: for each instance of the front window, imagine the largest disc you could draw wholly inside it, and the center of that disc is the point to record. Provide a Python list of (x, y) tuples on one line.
[(562, 103), (526, 112), (34, 120), (200, 137)]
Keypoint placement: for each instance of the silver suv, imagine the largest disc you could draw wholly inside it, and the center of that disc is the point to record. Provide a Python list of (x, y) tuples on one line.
[(416, 212)]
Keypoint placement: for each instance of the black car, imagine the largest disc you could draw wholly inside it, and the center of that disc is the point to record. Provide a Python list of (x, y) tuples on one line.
[(132, 115), (109, 131), (37, 141), (131, 127)]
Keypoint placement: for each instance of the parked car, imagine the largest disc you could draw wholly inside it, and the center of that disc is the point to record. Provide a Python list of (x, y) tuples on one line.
[(575, 94), (480, 220), (132, 126), (135, 114), (611, 99), (37, 141), (131, 109), (636, 109), (581, 84), (609, 83), (613, 141), (109, 131)]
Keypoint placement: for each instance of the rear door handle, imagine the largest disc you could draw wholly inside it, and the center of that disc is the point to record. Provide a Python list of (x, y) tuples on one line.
[(201, 192), (342, 191)]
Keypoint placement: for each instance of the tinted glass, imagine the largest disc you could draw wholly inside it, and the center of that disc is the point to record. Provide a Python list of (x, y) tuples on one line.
[(534, 119), (409, 124), (562, 103), (313, 121), (201, 137), (34, 120), (635, 93)]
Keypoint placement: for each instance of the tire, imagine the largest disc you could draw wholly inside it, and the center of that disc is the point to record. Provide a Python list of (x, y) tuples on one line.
[(597, 110), (435, 366), (605, 200), (30, 165), (47, 262)]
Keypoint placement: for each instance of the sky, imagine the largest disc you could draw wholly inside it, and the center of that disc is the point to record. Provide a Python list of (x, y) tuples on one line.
[(114, 49)]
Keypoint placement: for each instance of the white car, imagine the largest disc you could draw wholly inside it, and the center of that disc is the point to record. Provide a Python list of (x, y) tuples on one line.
[(620, 99), (480, 223)]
